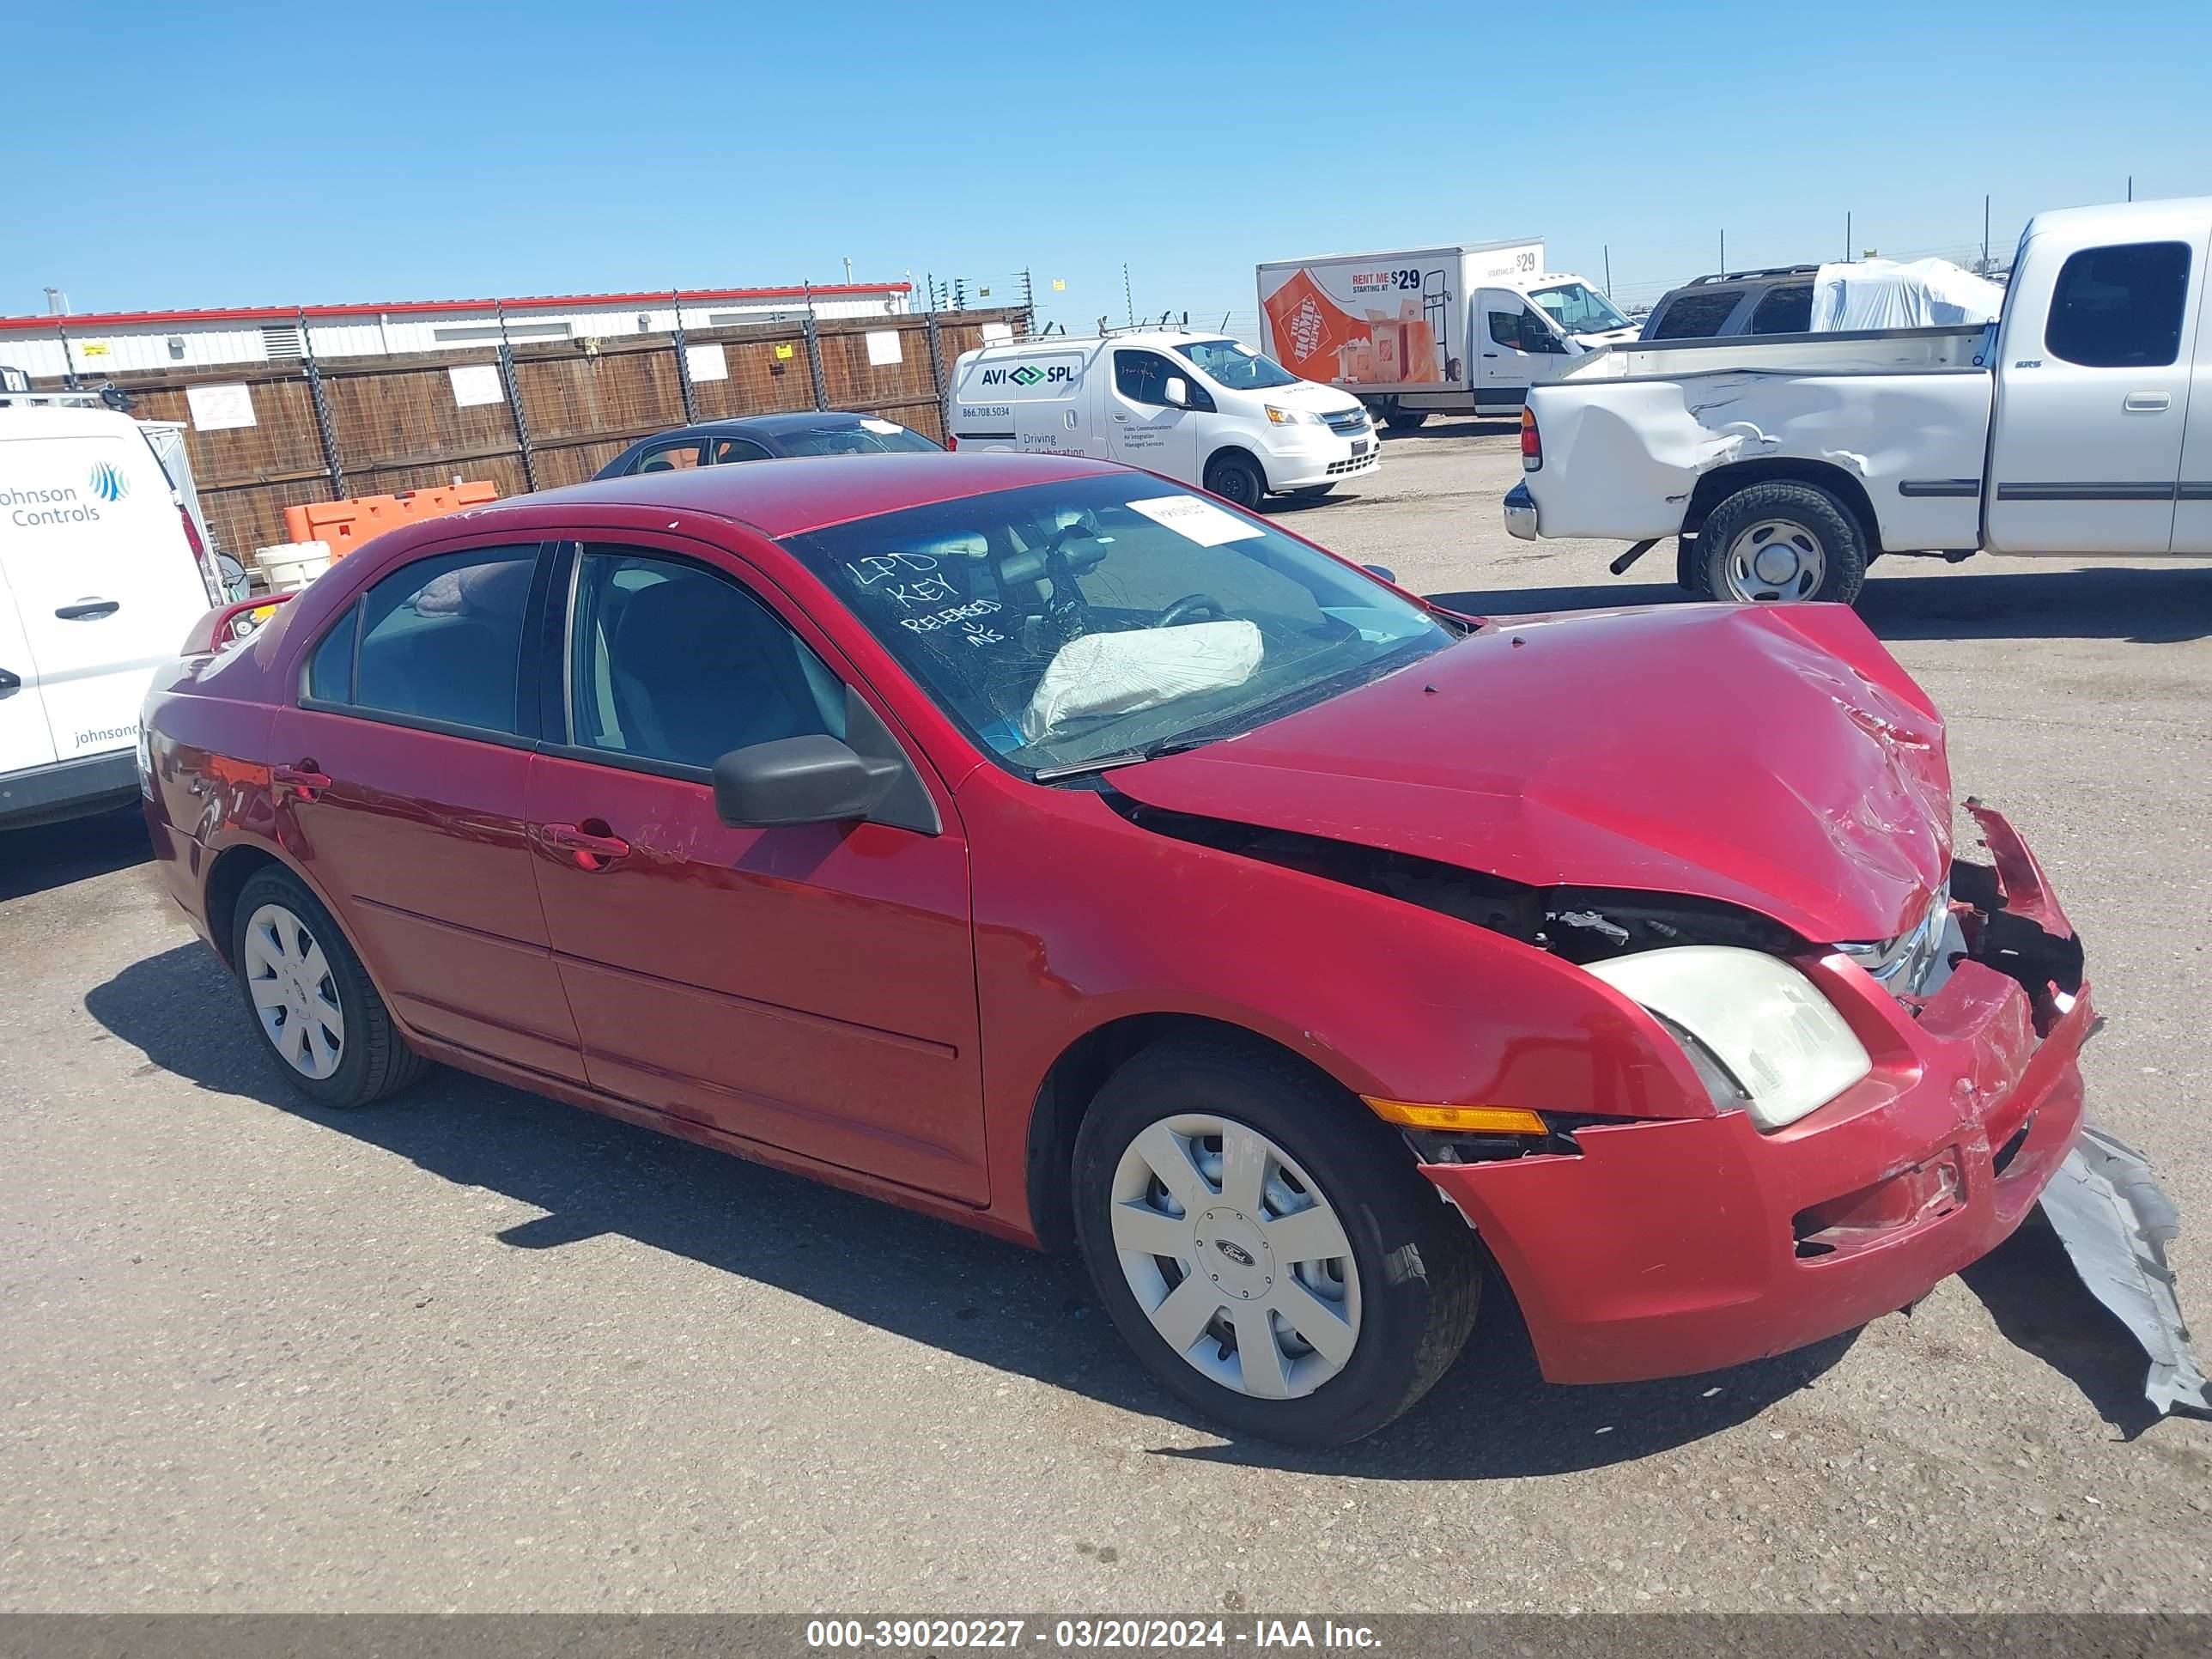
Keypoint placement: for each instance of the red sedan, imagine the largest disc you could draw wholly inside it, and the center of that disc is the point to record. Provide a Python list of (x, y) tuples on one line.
[(1050, 848)]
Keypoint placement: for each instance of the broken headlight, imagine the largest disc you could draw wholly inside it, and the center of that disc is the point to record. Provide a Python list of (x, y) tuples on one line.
[(1918, 960), (1758, 1032)]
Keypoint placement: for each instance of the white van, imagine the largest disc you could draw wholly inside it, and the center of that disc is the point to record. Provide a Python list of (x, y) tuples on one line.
[(1196, 408), (102, 577)]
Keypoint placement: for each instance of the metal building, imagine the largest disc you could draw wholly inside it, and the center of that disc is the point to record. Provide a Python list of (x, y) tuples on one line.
[(136, 341)]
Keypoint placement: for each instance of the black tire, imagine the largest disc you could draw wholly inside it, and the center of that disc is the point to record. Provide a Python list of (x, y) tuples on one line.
[(1812, 510), (1418, 1262), (1237, 479), (1404, 420), (374, 1059)]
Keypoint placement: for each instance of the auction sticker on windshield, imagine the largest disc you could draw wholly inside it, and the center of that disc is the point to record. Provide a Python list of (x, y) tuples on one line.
[(1196, 520)]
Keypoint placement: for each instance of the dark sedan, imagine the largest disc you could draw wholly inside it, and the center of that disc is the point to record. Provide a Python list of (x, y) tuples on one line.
[(759, 437)]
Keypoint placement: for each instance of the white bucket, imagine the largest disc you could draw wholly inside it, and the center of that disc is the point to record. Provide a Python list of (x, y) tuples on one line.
[(291, 566)]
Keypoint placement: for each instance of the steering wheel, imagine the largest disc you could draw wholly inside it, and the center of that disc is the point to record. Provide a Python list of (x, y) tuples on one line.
[(1191, 604)]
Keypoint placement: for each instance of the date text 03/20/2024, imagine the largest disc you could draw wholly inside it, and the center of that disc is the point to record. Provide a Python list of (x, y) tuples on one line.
[(830, 1635)]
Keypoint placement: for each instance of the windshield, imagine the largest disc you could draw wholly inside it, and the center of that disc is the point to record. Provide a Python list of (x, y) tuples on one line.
[(1579, 309), (1083, 621), (1231, 366), (865, 437)]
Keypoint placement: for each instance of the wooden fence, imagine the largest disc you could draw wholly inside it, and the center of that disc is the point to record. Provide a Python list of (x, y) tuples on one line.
[(553, 413)]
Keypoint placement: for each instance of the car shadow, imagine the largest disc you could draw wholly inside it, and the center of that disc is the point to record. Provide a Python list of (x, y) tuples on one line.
[(1492, 1417), (2039, 1302), (1466, 426), (2142, 605), (50, 855)]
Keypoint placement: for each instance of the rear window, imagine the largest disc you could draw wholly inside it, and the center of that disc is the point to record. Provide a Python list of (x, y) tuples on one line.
[(438, 640), (1784, 311), (2120, 308), (1695, 316), (864, 437)]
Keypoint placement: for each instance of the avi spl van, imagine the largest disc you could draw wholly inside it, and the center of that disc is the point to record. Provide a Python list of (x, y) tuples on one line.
[(102, 575), (1197, 408)]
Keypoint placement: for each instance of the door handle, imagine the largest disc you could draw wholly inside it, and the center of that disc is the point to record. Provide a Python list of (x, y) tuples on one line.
[(299, 779), (2148, 402), (87, 609), (1120, 417), (1490, 354), (580, 845)]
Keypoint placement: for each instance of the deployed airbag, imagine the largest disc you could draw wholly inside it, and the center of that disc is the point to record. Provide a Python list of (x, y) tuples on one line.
[(2114, 1220), (1124, 673)]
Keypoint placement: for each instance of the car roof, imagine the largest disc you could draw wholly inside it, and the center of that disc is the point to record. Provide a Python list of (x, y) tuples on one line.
[(807, 420), (785, 497)]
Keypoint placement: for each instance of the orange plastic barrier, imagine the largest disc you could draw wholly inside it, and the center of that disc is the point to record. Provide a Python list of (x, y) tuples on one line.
[(344, 526)]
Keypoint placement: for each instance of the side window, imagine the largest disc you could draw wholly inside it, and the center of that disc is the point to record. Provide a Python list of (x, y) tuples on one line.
[(669, 458), (673, 663), (330, 670), (1521, 330), (1700, 316), (441, 639), (2120, 308), (1142, 376), (1786, 310), (736, 449)]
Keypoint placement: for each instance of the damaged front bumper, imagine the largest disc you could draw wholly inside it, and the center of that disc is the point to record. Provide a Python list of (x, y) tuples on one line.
[(1666, 1249)]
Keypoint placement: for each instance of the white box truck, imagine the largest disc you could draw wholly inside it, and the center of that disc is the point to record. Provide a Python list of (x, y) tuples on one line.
[(1460, 330)]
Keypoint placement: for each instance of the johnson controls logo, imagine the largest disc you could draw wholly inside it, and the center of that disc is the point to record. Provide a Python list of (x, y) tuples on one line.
[(109, 483)]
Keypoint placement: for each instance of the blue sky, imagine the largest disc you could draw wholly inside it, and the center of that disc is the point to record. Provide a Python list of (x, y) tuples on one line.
[(165, 156)]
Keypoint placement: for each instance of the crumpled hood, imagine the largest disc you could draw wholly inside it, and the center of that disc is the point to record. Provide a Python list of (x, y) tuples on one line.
[(1771, 757)]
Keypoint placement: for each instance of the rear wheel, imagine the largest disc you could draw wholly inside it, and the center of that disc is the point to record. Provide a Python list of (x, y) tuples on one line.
[(311, 999), (1400, 419), (1265, 1245), (1779, 540), (1237, 479)]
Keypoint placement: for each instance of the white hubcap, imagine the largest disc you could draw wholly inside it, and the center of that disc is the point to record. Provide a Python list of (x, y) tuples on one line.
[(1236, 1256), (290, 980), (1776, 559)]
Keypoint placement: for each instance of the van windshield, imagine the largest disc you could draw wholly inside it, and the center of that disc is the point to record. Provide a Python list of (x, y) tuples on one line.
[(1231, 366), (1579, 309), (1080, 624)]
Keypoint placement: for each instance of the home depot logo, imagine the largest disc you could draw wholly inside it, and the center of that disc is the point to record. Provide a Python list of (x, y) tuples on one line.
[(108, 483), (1306, 325)]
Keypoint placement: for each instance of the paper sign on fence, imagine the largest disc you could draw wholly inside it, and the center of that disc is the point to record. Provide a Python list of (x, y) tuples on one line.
[(883, 346), (219, 408), (475, 383), (705, 363)]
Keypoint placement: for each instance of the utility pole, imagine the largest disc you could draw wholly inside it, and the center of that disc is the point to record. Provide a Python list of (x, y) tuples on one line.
[(1608, 271), (1126, 298), (1986, 235), (1029, 302), (2131, 187), (1724, 250), (848, 273), (1847, 235)]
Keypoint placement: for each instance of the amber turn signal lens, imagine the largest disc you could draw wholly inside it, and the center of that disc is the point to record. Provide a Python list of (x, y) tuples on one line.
[(1458, 1119)]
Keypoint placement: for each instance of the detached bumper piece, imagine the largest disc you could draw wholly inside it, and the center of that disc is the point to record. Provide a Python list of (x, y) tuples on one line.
[(2115, 1221)]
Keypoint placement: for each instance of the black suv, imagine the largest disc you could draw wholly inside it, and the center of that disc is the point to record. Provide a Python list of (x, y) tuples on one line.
[(1774, 302)]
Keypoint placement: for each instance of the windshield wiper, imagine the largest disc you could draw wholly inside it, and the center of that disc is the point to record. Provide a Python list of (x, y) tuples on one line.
[(1122, 758)]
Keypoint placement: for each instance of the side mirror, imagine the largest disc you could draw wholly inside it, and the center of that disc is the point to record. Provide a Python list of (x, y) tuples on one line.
[(1176, 392), (811, 780), (1383, 571)]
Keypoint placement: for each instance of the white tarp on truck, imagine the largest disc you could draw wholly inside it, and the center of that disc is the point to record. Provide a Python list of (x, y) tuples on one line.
[(1901, 293)]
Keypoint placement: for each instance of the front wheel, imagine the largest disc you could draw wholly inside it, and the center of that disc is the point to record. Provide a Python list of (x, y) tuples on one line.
[(1237, 480), (1779, 541), (1265, 1245)]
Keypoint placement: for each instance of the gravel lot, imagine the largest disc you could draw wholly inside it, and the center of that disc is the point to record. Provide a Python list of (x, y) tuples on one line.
[(475, 1350)]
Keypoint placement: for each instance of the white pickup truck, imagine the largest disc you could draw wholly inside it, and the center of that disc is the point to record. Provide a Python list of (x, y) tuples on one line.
[(1786, 465)]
